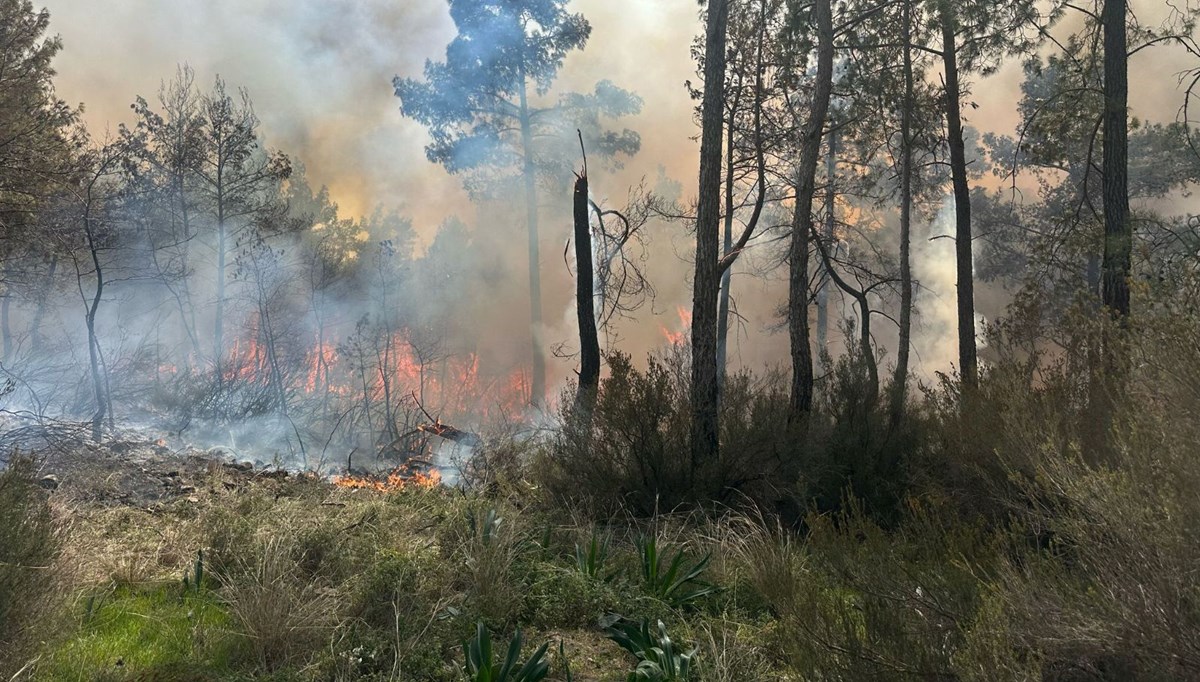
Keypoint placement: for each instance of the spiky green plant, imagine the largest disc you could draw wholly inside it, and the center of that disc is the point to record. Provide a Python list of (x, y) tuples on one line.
[(676, 584), (486, 528), (590, 560), (195, 580), (657, 656), (481, 667)]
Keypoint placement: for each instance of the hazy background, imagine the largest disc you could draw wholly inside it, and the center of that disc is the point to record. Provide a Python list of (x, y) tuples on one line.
[(320, 74)]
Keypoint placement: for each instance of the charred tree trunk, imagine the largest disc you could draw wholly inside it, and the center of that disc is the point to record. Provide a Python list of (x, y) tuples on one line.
[(802, 222), (900, 379), (1118, 229), (585, 299), (967, 364), (537, 389), (705, 392)]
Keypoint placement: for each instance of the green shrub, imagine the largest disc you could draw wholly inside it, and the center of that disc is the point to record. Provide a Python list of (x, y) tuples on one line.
[(559, 597)]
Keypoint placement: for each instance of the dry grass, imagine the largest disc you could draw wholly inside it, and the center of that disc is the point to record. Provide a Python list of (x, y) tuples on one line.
[(284, 615)]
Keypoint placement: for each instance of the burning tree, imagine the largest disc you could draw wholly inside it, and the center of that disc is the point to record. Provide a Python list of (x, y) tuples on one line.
[(477, 105)]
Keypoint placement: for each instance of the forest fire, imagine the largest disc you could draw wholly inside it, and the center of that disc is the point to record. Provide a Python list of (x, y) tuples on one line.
[(678, 338), (401, 478)]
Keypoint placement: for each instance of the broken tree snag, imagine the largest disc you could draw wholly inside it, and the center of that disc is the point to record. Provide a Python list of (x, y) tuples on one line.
[(450, 433), (585, 294)]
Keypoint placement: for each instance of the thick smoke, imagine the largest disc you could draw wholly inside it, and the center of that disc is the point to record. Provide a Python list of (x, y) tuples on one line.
[(320, 75)]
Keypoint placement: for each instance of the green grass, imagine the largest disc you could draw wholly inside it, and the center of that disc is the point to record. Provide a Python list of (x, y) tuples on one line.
[(154, 633)]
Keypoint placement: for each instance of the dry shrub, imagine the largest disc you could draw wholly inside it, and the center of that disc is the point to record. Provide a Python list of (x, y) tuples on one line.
[(855, 601), (630, 453), (285, 615), (729, 653), (1113, 594), (30, 541), (489, 554), (1099, 581)]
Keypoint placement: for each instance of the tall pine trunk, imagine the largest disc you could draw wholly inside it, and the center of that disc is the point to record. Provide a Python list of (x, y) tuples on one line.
[(802, 222), (830, 218), (726, 248), (967, 364), (704, 427), (1107, 361), (219, 322), (900, 379), (537, 388), (1118, 229)]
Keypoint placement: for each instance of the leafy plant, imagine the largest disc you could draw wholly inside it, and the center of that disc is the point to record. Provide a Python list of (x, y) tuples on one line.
[(590, 560), (658, 659), (676, 585), (480, 666)]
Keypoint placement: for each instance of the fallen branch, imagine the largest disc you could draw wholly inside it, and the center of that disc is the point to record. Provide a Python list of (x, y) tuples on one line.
[(450, 433)]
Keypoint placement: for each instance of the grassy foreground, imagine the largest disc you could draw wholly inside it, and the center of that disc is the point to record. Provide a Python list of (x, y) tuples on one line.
[(299, 580)]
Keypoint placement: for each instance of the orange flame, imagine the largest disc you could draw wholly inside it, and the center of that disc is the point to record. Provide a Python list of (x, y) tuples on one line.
[(678, 338), (401, 478)]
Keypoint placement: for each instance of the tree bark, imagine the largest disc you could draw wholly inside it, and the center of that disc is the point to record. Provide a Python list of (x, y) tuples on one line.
[(704, 428), (830, 218), (1118, 229), (900, 378), (585, 298), (98, 382), (537, 389), (967, 364), (5, 327), (726, 248), (222, 247), (802, 222), (864, 337)]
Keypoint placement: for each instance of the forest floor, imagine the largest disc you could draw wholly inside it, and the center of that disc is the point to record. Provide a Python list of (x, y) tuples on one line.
[(301, 579)]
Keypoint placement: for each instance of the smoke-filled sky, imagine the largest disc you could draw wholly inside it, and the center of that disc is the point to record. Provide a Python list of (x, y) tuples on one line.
[(320, 75)]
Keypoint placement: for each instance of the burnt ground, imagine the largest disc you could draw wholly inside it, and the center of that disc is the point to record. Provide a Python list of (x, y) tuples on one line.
[(140, 472)]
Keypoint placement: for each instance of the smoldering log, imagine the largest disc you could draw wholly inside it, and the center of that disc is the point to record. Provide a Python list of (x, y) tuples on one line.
[(452, 434)]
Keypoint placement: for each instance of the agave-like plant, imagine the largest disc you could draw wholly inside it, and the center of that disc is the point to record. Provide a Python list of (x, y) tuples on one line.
[(676, 584), (195, 581), (590, 560), (487, 528), (481, 667), (658, 659)]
